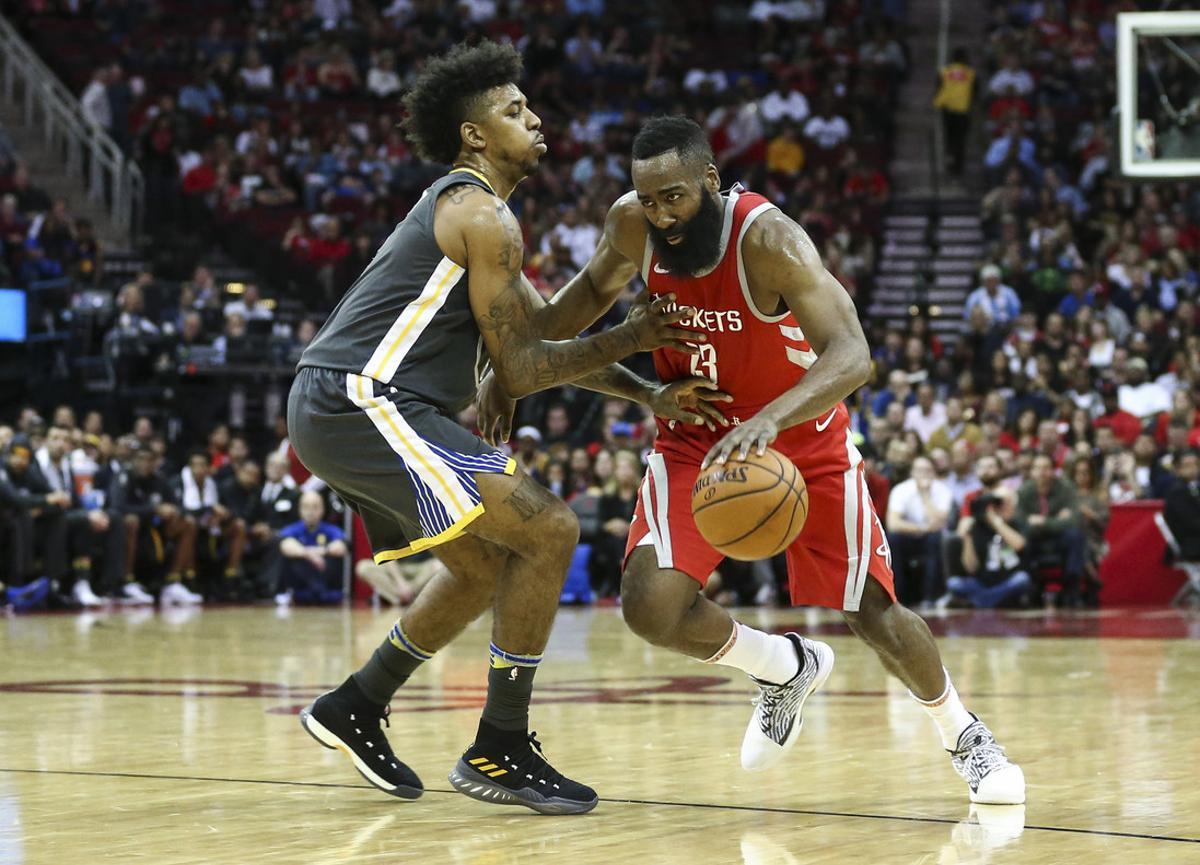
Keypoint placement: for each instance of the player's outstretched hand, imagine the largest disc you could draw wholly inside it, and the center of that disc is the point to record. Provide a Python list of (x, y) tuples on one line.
[(690, 400), (655, 327), (756, 433), (495, 409)]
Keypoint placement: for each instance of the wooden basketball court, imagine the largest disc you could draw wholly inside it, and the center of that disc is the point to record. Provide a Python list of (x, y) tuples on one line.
[(172, 738)]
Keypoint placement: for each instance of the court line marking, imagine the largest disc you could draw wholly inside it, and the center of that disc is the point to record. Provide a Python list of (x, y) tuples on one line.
[(759, 809)]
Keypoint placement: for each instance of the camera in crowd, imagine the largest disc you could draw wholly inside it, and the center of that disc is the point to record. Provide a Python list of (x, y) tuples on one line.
[(982, 504)]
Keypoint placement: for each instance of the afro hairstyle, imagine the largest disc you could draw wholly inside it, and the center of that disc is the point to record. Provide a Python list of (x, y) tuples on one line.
[(448, 90)]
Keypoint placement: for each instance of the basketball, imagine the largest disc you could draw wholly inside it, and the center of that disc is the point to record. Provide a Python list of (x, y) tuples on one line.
[(750, 509)]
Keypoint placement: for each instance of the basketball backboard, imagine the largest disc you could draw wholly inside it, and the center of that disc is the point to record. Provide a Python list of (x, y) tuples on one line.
[(1158, 93)]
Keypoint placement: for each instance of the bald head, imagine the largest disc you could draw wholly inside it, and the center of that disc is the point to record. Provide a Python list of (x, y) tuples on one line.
[(312, 508)]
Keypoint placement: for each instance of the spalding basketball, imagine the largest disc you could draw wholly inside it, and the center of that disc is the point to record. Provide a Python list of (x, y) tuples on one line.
[(753, 508)]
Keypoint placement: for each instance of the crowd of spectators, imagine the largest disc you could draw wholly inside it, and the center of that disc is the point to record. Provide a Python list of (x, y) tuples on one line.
[(89, 518), (992, 459), (1075, 385), (271, 126), (40, 240)]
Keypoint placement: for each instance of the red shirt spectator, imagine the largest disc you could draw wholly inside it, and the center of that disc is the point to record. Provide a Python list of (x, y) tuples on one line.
[(866, 182), (1009, 442), (1164, 420), (201, 179), (328, 247), (999, 112), (1124, 426)]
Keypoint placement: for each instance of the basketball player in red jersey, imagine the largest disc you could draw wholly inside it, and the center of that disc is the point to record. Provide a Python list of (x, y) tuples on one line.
[(785, 344)]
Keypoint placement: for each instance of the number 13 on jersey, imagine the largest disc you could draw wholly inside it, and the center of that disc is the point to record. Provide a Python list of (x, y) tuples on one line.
[(704, 362)]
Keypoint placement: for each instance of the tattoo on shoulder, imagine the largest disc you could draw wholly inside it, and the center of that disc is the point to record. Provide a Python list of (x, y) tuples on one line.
[(460, 193), (512, 253), (527, 499)]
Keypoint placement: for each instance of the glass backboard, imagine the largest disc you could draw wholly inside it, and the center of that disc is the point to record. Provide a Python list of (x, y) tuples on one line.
[(1158, 93)]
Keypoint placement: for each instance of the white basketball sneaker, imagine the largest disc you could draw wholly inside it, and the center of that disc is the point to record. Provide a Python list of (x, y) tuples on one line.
[(177, 594), (135, 594), (83, 594), (778, 719), (991, 777)]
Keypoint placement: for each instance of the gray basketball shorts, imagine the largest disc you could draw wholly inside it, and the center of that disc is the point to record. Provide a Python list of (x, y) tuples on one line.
[(404, 466)]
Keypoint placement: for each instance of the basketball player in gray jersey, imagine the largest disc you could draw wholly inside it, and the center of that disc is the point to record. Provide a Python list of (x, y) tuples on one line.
[(371, 412)]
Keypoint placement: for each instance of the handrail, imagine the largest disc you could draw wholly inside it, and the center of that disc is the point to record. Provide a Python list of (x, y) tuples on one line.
[(87, 152)]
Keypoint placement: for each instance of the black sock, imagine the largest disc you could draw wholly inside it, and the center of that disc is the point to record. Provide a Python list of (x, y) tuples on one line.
[(508, 694), (510, 685), (390, 666)]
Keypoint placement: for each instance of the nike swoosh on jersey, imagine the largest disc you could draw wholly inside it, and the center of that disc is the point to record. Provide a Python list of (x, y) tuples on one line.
[(658, 269), (822, 424)]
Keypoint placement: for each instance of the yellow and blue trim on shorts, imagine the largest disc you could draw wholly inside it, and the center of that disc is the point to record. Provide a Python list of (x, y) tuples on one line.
[(443, 482)]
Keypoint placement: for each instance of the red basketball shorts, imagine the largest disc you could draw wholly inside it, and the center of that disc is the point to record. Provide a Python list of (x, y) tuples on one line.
[(842, 542)]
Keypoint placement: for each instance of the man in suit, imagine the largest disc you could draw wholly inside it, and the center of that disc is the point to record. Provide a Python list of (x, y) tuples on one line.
[(280, 495), (279, 506), (35, 518), (89, 528), (1181, 509)]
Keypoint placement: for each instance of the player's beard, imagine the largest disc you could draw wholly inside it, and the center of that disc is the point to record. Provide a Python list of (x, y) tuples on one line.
[(701, 244)]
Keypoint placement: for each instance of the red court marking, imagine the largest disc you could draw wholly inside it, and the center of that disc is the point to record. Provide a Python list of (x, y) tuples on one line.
[(647, 690)]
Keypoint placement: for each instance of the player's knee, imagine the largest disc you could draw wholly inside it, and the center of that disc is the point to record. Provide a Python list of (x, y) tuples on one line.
[(560, 529), (644, 613), (644, 618)]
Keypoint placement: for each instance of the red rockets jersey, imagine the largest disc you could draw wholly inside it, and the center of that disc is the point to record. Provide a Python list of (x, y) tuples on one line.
[(750, 355)]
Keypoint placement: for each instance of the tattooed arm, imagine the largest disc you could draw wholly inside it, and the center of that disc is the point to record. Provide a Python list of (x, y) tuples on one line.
[(523, 362)]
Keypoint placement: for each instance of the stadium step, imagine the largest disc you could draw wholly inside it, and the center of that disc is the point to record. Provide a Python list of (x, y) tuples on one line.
[(907, 250), (961, 250), (933, 295), (904, 235), (936, 278), (961, 282), (959, 222), (959, 235), (954, 265), (909, 222)]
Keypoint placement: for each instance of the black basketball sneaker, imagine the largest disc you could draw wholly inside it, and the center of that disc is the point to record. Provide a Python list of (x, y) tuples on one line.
[(518, 774), (345, 720)]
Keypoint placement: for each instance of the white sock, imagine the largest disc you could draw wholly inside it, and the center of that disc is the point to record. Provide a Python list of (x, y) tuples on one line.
[(769, 657), (948, 712)]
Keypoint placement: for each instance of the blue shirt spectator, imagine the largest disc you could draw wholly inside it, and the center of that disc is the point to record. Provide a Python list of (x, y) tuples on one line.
[(320, 535), (595, 8), (1016, 146), (999, 302), (311, 549), (199, 97)]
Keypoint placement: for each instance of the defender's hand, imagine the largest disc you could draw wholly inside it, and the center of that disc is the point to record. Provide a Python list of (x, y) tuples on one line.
[(689, 400), (495, 409), (654, 327), (756, 433)]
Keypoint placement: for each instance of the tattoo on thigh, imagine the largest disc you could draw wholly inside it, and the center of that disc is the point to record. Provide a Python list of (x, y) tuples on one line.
[(526, 500)]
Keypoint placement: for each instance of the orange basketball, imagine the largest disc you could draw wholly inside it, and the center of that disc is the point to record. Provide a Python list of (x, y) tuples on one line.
[(750, 509)]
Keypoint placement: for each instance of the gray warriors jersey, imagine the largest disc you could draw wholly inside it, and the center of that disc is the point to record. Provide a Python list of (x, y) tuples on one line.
[(406, 321)]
